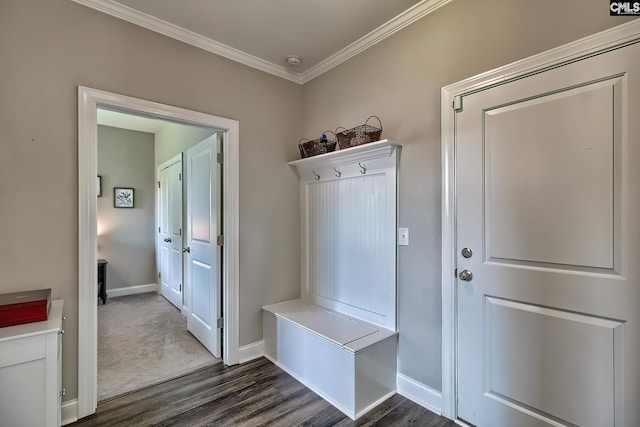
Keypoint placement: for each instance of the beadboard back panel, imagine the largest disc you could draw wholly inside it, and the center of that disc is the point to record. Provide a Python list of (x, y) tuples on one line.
[(349, 222)]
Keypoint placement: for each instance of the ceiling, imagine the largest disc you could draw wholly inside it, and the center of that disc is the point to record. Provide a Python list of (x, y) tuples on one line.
[(264, 33)]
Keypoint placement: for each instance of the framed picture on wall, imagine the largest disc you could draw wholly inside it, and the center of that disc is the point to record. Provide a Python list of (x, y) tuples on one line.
[(122, 197)]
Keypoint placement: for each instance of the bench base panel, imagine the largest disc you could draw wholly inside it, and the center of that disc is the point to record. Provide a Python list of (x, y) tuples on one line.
[(353, 382)]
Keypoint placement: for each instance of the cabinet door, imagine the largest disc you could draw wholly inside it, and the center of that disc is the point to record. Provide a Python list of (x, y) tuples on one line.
[(22, 381)]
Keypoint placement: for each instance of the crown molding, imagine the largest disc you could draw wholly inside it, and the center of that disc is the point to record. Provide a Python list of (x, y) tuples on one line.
[(168, 29), (126, 13), (391, 27)]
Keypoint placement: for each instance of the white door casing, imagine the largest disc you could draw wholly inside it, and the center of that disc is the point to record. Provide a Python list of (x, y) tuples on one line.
[(170, 230), (539, 183), (88, 102), (203, 256)]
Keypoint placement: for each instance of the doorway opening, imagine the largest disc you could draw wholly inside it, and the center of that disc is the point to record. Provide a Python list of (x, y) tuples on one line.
[(143, 331), (89, 101)]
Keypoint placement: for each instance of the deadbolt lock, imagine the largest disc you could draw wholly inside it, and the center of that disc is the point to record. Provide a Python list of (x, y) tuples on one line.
[(467, 253)]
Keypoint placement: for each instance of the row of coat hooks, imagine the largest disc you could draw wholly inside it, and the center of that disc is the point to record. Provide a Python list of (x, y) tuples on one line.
[(363, 170)]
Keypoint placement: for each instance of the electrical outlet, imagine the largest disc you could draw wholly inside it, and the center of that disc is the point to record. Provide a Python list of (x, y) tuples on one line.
[(403, 236)]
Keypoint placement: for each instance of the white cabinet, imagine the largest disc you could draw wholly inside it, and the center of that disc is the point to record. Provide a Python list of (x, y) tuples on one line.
[(30, 372)]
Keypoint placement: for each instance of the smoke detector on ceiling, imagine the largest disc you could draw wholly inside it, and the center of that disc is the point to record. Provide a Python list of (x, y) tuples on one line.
[(294, 60)]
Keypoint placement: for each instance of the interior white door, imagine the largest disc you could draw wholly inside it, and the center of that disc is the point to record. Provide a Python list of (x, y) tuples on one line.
[(203, 256), (170, 230), (547, 243)]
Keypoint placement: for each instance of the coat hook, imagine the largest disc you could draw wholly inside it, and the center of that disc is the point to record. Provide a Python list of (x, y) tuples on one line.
[(338, 172), (317, 177), (363, 169)]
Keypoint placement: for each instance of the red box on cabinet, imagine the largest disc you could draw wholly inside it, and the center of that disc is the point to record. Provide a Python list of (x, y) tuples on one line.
[(24, 307)]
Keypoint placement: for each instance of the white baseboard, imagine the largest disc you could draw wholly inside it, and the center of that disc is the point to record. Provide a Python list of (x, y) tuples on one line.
[(419, 393), (251, 351), (132, 290), (69, 412)]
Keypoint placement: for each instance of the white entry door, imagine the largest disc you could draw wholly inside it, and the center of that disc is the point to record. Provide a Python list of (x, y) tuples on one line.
[(203, 253), (548, 247), (170, 230)]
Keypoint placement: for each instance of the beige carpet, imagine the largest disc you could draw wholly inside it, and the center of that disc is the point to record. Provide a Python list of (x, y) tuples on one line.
[(143, 340)]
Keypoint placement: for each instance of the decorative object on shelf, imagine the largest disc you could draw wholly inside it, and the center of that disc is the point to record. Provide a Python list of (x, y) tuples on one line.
[(122, 197), (99, 186), (322, 145), (358, 135), (17, 308)]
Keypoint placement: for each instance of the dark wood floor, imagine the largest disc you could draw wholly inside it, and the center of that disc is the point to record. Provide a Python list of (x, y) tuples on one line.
[(256, 393)]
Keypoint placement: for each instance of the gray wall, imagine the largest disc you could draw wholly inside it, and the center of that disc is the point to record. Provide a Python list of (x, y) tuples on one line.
[(47, 49), (400, 81), (126, 236)]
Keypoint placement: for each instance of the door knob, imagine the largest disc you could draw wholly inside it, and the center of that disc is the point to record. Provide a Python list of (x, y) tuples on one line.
[(465, 275), (187, 250), (168, 240)]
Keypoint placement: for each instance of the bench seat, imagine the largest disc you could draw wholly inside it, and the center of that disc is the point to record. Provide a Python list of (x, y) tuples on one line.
[(349, 362)]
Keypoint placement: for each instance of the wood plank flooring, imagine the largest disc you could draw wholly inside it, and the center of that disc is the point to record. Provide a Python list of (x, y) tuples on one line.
[(256, 393)]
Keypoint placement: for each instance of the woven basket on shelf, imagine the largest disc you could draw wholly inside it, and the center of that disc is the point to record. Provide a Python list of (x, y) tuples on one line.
[(322, 145), (358, 135)]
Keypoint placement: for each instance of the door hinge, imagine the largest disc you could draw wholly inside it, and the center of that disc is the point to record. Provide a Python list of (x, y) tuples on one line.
[(158, 184), (455, 273), (158, 229), (220, 323), (220, 158), (180, 287), (63, 392), (457, 103), (179, 177), (220, 240), (159, 275)]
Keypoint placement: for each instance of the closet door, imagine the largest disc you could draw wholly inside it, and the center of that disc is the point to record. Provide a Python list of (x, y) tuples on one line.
[(170, 230), (203, 254)]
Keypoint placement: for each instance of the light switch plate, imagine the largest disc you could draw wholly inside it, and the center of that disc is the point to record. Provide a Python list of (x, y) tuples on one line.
[(403, 236)]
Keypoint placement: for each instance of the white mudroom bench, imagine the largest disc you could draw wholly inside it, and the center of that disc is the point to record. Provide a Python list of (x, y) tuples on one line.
[(340, 339), (348, 362)]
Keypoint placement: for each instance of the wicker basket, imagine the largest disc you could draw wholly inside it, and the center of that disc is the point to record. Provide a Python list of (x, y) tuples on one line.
[(322, 145), (358, 135)]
